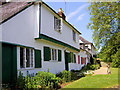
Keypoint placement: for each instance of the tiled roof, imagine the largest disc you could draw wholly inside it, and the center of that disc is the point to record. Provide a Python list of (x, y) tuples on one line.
[(11, 8), (83, 40)]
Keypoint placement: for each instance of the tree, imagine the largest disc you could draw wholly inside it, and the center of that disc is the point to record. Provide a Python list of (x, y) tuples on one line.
[(110, 52), (104, 21)]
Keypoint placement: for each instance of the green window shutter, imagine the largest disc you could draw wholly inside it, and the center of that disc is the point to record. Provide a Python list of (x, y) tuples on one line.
[(59, 55), (47, 55), (38, 59), (74, 58)]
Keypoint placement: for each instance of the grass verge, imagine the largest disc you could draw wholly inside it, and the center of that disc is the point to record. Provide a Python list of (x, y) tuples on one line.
[(97, 81)]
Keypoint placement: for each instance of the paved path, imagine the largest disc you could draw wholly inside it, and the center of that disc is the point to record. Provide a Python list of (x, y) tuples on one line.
[(102, 70)]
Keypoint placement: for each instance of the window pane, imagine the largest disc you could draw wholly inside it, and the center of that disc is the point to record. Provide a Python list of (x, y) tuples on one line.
[(31, 57), (27, 58), (71, 55), (74, 36), (52, 54), (57, 23), (21, 57), (55, 55)]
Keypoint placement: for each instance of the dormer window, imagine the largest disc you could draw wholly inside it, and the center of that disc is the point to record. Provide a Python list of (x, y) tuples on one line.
[(57, 24)]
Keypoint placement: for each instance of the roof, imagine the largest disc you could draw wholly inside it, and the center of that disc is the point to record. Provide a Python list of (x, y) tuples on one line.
[(84, 41), (12, 8)]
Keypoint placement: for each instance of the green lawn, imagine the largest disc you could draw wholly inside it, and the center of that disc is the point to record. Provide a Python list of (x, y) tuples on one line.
[(97, 81)]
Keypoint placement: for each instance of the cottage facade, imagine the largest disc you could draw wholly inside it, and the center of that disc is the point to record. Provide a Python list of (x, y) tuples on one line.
[(89, 48), (35, 38)]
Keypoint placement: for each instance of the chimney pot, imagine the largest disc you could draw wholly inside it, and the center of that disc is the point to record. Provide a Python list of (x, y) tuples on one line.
[(61, 13)]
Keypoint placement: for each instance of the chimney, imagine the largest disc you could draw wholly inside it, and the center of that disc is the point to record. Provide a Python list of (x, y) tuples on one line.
[(61, 13)]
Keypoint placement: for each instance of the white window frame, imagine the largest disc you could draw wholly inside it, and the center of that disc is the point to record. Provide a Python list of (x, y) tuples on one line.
[(24, 58), (56, 27), (54, 54), (73, 58)]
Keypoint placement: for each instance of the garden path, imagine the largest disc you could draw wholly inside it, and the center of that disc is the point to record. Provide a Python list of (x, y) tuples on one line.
[(102, 70)]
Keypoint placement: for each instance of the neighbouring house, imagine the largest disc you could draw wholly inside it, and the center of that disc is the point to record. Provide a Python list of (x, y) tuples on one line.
[(35, 38), (89, 48)]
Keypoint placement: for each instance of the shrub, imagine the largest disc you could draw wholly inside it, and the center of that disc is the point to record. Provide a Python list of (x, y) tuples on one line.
[(81, 75), (87, 67), (60, 74), (97, 66), (92, 67), (74, 75), (40, 80), (20, 80), (64, 75)]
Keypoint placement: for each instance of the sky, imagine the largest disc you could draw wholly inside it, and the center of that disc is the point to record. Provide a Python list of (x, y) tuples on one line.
[(77, 14)]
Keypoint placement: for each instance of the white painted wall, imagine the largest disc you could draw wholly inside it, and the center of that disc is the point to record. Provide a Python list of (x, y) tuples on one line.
[(54, 66), (23, 28), (84, 55), (20, 28), (74, 66), (36, 21), (47, 28), (92, 51)]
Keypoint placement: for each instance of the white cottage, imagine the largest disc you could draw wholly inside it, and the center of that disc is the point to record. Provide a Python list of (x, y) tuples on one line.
[(89, 48), (35, 38)]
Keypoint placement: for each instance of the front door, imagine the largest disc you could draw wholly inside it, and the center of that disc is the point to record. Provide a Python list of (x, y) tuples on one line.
[(66, 61), (9, 63)]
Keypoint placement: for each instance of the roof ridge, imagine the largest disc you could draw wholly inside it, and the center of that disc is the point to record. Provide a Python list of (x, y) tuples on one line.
[(84, 40)]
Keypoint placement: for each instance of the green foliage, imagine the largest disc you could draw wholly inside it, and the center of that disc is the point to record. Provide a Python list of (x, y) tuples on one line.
[(92, 67), (74, 75), (104, 21), (20, 80), (60, 74), (110, 51), (64, 75), (116, 59), (88, 67), (40, 80)]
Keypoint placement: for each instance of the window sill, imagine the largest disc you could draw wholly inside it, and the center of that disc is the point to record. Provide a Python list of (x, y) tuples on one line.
[(59, 31), (22, 69), (53, 60)]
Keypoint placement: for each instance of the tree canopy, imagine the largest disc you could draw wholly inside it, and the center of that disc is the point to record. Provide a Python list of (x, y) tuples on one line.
[(106, 30), (104, 21), (110, 52)]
